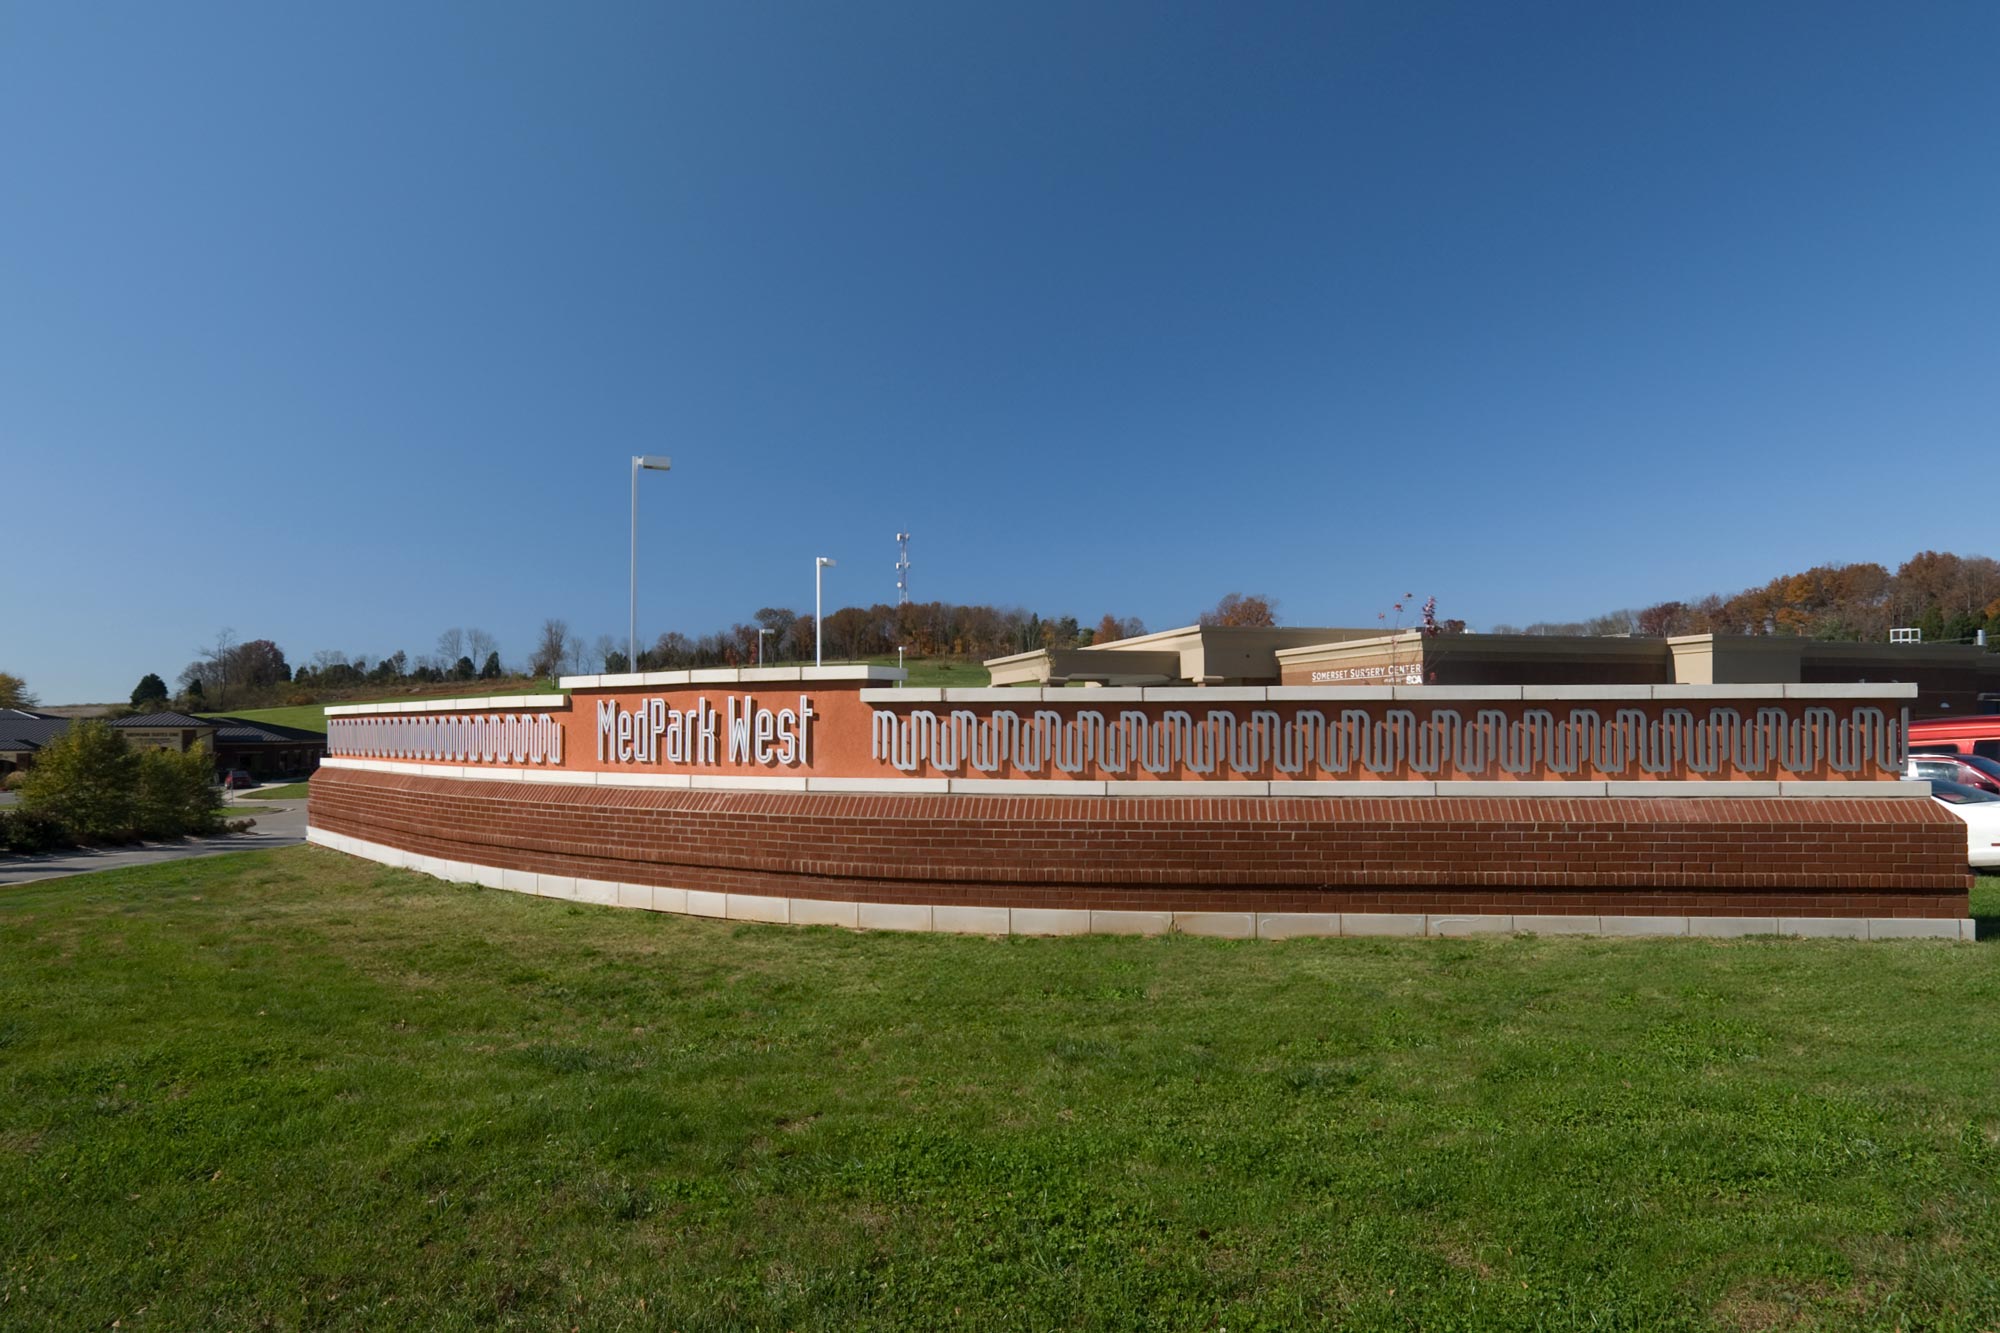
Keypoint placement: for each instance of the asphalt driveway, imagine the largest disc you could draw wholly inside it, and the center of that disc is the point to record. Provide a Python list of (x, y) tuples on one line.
[(283, 825)]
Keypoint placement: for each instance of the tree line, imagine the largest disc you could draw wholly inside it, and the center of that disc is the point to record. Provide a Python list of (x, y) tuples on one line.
[(1949, 597), (775, 634), (230, 674)]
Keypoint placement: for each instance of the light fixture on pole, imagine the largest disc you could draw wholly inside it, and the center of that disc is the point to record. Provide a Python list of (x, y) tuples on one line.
[(653, 463), (761, 635), (899, 663), (820, 564)]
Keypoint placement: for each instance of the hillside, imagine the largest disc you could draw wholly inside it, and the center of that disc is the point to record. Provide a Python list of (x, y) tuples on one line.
[(312, 717)]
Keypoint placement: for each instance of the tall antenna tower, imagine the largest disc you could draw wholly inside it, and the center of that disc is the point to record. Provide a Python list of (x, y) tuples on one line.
[(902, 569)]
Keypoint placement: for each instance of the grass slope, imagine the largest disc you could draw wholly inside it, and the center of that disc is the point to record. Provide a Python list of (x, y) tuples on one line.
[(956, 672), (307, 717), (312, 717), (293, 1090)]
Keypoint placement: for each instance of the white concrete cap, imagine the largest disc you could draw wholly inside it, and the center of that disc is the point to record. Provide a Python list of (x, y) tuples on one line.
[(1381, 923), (970, 920), (895, 916), (1297, 925)]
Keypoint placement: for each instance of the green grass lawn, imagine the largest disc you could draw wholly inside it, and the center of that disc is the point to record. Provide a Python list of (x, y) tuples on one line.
[(291, 791), (293, 1090), (312, 717), (307, 717), (956, 672)]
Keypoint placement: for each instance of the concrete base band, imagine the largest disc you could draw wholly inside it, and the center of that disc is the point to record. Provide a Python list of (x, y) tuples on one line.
[(1079, 921)]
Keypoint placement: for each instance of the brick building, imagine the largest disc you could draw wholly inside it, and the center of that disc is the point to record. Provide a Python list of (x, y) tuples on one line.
[(261, 748)]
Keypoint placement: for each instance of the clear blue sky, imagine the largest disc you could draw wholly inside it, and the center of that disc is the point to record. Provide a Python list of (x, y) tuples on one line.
[(337, 324)]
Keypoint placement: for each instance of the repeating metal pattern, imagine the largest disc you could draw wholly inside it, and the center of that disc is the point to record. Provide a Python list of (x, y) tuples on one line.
[(481, 738), (1609, 743)]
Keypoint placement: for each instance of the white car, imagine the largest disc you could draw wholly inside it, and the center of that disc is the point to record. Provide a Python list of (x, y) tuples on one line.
[(1981, 812)]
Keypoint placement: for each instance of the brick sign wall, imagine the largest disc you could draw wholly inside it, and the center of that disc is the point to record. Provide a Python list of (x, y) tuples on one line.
[(1618, 803)]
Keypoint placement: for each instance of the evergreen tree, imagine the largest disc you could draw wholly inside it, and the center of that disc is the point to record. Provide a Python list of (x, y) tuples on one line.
[(150, 693)]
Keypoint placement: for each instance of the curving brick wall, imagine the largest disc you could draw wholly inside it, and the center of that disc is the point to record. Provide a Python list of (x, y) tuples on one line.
[(1791, 857)]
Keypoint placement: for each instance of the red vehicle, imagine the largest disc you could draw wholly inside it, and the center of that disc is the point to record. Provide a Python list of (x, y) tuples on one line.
[(1978, 734)]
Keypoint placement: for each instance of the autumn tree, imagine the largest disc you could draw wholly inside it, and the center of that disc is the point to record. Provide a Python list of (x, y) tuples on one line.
[(1238, 611), (780, 625), (258, 664), (14, 692), (1663, 620)]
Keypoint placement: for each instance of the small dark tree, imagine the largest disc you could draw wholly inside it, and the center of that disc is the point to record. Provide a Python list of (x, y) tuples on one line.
[(463, 669), (151, 692), (491, 671), (194, 693)]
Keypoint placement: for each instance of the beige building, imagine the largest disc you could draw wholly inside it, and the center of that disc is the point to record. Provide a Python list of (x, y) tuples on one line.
[(1196, 655), (1952, 679)]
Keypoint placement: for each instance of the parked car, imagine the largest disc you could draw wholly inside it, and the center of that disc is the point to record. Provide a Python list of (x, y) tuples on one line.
[(1980, 812), (236, 779), (1967, 770)]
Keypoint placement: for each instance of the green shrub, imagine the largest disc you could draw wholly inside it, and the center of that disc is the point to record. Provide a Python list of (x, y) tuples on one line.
[(26, 831), (87, 780), (177, 795)]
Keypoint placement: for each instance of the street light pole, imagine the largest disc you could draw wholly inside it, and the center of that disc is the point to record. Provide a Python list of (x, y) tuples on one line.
[(654, 463), (760, 644), (819, 567)]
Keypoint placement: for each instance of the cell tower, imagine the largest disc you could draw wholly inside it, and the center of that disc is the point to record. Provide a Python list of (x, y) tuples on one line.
[(902, 569)]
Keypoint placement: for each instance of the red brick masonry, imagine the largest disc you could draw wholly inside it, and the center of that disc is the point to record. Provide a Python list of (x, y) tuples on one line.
[(1794, 857)]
